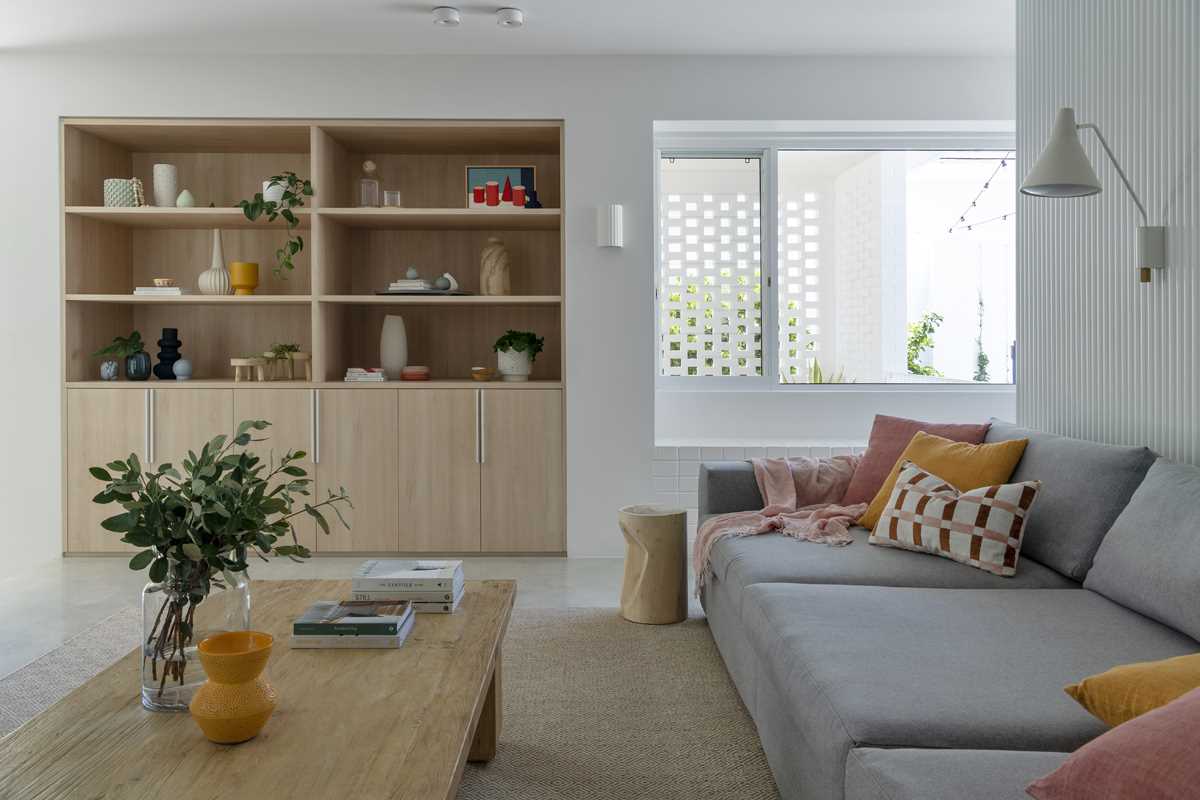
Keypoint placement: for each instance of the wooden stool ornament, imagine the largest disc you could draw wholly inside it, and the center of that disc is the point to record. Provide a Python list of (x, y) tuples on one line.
[(654, 591), (248, 369)]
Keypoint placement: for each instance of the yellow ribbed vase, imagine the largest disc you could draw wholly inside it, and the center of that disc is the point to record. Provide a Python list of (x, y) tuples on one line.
[(243, 275), (236, 701)]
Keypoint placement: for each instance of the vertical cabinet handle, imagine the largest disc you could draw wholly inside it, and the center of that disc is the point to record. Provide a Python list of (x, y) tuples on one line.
[(482, 427), (316, 425), (146, 413), (153, 421), (478, 438)]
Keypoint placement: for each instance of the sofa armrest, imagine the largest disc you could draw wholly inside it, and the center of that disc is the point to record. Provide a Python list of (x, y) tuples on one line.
[(727, 486)]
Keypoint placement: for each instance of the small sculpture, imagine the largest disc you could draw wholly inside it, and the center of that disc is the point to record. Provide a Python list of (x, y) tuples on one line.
[(168, 354), (412, 274), (442, 283), (185, 200), (451, 283), (494, 268)]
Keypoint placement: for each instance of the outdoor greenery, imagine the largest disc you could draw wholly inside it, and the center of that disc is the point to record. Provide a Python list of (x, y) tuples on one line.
[(294, 192), (981, 359), (199, 526), (123, 346), (920, 339), (521, 342), (816, 375)]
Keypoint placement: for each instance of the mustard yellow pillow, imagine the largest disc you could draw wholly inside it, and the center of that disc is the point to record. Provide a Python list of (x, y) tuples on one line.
[(964, 466), (1130, 690)]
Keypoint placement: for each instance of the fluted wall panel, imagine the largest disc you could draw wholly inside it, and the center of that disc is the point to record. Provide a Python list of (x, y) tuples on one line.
[(1102, 356)]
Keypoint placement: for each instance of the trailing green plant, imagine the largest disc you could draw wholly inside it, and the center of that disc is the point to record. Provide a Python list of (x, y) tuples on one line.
[(981, 359), (199, 526), (521, 342), (295, 190), (123, 346), (920, 339)]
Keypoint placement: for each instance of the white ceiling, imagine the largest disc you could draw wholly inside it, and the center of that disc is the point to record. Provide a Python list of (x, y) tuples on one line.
[(578, 27)]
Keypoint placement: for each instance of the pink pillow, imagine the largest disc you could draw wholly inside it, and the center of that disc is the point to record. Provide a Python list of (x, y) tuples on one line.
[(889, 437), (1150, 757)]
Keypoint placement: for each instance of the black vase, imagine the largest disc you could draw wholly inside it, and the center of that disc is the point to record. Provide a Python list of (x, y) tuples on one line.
[(168, 354), (137, 366), (531, 199)]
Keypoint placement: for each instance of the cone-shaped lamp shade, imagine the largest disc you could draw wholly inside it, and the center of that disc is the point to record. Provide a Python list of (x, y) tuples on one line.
[(1063, 169)]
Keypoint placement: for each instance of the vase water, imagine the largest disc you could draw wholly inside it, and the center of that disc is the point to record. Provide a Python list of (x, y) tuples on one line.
[(393, 346)]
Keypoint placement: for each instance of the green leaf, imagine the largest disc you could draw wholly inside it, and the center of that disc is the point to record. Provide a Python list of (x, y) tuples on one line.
[(139, 561), (312, 512), (100, 474), (295, 472), (104, 497), (121, 523), (158, 570)]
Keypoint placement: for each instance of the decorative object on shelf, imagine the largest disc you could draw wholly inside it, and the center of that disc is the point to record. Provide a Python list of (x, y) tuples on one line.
[(369, 375), (482, 374), (412, 274), (182, 369), (442, 283), (215, 279), (272, 191), (243, 276), (531, 199), (189, 557), (283, 358), (453, 287), (109, 370), (163, 283), (610, 226), (292, 192), (410, 285), (393, 346), (515, 353), (166, 187), (494, 268), (249, 369), (368, 186), (392, 198), (168, 354), (236, 701), (415, 373), (133, 351), (123, 193), (185, 200), (495, 186)]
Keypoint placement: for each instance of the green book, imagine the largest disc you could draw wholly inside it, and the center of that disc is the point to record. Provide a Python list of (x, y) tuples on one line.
[(352, 618)]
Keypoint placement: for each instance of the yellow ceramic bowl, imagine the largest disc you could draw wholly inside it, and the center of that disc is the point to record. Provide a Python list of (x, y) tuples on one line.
[(235, 656)]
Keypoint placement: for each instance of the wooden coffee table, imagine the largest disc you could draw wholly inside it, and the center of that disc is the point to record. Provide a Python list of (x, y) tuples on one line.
[(358, 724)]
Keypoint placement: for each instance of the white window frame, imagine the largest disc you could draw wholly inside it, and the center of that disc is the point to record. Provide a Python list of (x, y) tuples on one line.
[(765, 140)]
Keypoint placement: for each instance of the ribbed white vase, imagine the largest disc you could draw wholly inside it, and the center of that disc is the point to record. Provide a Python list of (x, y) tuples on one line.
[(166, 185), (393, 346), (215, 279)]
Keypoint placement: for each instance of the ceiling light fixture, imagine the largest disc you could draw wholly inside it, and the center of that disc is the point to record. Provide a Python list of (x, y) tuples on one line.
[(510, 17), (446, 16)]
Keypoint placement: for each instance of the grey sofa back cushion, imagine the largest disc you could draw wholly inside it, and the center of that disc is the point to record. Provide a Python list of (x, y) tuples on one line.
[(1085, 486), (727, 486), (1150, 560)]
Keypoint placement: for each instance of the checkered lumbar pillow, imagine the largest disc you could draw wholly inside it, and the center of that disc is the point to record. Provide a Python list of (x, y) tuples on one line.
[(981, 527)]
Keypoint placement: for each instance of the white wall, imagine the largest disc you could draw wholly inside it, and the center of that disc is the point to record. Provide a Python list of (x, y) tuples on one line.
[(1099, 355), (608, 104)]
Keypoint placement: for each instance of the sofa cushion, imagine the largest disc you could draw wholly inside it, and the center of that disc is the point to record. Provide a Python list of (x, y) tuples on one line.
[(728, 486), (875, 666), (889, 437), (908, 774), (1085, 485), (1150, 560), (1130, 690)]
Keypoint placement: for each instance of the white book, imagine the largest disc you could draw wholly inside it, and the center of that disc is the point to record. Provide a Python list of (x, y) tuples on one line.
[(440, 608), (354, 642), (407, 575), (411, 595), (160, 290)]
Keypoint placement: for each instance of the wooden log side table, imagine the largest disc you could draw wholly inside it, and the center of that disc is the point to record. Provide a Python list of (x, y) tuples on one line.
[(654, 591)]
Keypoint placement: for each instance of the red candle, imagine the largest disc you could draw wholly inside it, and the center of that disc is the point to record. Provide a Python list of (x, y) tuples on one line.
[(477, 193), (493, 193), (519, 196)]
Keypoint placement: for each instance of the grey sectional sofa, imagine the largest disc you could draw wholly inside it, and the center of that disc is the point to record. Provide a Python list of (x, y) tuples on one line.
[(880, 674)]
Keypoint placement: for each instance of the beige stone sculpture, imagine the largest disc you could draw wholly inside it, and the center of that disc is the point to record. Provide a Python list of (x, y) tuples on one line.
[(654, 591), (493, 268)]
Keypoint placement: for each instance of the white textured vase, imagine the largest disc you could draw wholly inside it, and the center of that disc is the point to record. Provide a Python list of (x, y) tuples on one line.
[(393, 346), (215, 279), (272, 194), (166, 185), (514, 366)]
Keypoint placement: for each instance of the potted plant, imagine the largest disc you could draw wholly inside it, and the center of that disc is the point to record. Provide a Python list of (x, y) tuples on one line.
[(290, 190), (281, 353), (197, 527), (130, 348), (515, 353)]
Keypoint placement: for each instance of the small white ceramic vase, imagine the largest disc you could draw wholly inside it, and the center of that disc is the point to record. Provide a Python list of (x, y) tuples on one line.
[(393, 346), (215, 279), (271, 193), (185, 200), (514, 366), (166, 185)]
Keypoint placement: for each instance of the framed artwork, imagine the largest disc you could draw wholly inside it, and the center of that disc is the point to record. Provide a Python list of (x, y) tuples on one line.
[(499, 186)]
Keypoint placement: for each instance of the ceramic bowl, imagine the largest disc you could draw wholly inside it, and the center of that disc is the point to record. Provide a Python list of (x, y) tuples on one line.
[(482, 373), (164, 282)]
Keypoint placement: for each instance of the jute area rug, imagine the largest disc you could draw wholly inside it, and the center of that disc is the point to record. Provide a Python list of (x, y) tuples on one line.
[(594, 707)]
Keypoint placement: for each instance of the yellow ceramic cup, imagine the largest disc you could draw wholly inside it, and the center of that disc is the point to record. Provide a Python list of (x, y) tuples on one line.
[(243, 275), (235, 702)]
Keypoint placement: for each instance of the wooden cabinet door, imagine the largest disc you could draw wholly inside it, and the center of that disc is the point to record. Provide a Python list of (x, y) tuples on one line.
[(103, 425), (186, 419), (290, 412), (356, 448), (439, 470), (522, 474)]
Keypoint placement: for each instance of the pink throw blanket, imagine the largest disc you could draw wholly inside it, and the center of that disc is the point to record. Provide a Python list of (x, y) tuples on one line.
[(802, 497)]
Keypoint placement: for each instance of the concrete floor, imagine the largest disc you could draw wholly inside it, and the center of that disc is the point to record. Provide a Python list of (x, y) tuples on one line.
[(42, 606)]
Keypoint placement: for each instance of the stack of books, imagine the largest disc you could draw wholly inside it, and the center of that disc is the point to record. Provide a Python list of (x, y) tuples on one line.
[(160, 291), (410, 285), (369, 375), (430, 586), (353, 624)]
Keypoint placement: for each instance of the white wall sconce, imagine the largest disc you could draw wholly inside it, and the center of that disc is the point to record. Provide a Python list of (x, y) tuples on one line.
[(610, 226), (1063, 170)]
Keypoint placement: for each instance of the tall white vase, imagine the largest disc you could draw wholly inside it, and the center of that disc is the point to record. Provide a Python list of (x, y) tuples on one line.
[(393, 346), (215, 279), (166, 185)]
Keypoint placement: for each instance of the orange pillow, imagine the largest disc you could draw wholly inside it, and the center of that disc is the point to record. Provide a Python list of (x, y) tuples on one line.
[(964, 466)]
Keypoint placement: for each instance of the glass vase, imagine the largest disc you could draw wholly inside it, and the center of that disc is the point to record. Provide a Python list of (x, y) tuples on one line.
[(177, 616)]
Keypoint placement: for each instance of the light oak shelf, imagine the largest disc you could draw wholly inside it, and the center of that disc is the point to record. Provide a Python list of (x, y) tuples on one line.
[(227, 383), (180, 218), (443, 299), (532, 219), (195, 299)]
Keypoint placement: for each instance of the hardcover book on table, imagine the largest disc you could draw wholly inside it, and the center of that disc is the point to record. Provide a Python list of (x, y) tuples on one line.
[(353, 618), (382, 575), (355, 642)]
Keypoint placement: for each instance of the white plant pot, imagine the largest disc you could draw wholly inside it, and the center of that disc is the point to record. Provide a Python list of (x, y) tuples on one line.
[(514, 366), (271, 193), (166, 185), (393, 346)]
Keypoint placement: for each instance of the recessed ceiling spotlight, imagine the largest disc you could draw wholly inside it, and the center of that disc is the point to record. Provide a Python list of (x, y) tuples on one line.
[(510, 17), (446, 16)]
